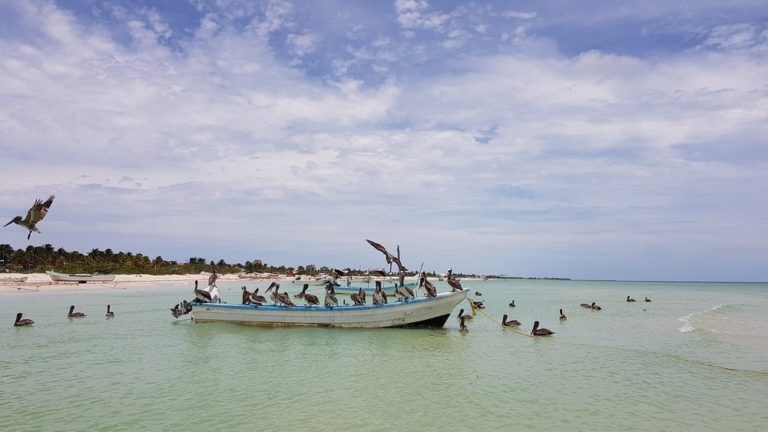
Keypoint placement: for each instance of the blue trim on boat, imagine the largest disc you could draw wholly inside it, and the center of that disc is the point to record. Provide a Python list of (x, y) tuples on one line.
[(320, 308)]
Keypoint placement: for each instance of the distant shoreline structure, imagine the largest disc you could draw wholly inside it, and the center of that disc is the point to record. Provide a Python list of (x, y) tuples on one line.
[(526, 277)]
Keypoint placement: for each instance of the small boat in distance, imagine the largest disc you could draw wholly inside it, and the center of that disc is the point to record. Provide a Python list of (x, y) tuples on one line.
[(430, 312), (14, 279), (79, 277)]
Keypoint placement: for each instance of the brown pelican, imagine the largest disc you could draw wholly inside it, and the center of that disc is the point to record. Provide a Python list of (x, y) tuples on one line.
[(540, 331), (562, 316), (647, 299), (595, 307), (283, 298), (388, 256), (34, 215), (22, 322), (403, 292), (512, 304), (461, 314), (378, 294), (311, 299), (453, 282), (202, 295), (256, 298), (462, 327), (358, 298), (73, 314), (110, 314), (246, 296), (330, 296), (272, 294), (429, 287), (478, 293), (510, 323), (212, 278), (630, 299)]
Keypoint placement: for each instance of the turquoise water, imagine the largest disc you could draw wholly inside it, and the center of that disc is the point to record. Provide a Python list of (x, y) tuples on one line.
[(694, 359)]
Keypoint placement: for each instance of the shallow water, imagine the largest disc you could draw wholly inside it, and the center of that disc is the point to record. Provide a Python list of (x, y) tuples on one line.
[(694, 359)]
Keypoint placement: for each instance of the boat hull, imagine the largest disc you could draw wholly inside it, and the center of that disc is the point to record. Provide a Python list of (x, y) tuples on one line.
[(370, 289), (79, 278), (421, 312)]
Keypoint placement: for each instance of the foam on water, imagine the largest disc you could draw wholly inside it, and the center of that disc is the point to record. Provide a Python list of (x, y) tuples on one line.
[(689, 320)]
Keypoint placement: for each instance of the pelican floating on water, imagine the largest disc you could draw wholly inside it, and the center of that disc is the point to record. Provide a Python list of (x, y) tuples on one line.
[(110, 314), (462, 327), (35, 214), (630, 299), (461, 314), (540, 331), (562, 316), (512, 304), (510, 323), (647, 299), (73, 314), (22, 322)]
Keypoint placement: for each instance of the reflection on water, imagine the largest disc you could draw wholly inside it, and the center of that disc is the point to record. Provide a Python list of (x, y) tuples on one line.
[(626, 367)]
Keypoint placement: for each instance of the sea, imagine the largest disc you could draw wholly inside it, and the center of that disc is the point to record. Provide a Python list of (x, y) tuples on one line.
[(694, 358)]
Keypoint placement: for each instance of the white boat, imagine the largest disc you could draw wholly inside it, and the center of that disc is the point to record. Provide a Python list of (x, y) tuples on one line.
[(14, 279), (418, 312), (79, 277)]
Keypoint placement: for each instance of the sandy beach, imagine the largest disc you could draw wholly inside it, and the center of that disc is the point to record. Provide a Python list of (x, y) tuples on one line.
[(42, 282)]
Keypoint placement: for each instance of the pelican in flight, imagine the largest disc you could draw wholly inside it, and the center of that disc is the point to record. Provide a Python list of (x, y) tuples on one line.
[(110, 314), (35, 214), (510, 323), (22, 322), (540, 331), (73, 314), (388, 256)]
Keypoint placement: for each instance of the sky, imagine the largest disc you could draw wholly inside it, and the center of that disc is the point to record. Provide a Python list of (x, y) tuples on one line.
[(597, 139)]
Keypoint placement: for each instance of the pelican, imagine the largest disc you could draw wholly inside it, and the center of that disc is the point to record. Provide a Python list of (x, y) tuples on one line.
[(461, 314), (630, 299), (388, 256), (453, 282), (429, 287), (378, 294), (283, 298), (478, 293), (540, 331), (595, 307), (512, 304), (272, 294), (212, 278), (73, 314), (358, 298), (403, 292), (201, 296), (562, 316), (311, 299), (330, 296), (462, 327), (647, 299), (34, 215), (110, 314), (510, 323), (256, 298), (246, 296), (22, 322)]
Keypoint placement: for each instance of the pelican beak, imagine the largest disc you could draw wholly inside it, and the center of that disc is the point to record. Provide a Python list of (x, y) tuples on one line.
[(9, 222)]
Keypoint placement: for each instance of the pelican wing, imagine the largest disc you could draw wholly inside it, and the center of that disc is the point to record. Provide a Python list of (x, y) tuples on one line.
[(38, 210), (381, 249)]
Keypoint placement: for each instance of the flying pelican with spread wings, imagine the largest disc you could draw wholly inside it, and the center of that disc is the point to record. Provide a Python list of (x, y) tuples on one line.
[(35, 214), (388, 256)]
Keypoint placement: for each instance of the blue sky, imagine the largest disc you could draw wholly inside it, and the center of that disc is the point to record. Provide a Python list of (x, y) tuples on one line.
[(594, 139)]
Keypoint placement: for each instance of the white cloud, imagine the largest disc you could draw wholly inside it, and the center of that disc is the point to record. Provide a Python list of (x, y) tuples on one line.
[(302, 44), (413, 14)]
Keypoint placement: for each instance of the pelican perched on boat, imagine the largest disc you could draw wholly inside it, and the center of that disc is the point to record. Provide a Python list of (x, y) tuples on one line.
[(35, 214), (256, 298), (540, 331), (283, 297), (272, 292), (22, 322), (510, 323), (453, 282), (403, 292), (378, 294), (73, 314), (358, 298), (428, 286), (562, 316), (461, 314), (246, 296), (202, 296), (330, 296), (110, 314), (630, 299), (311, 299)]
